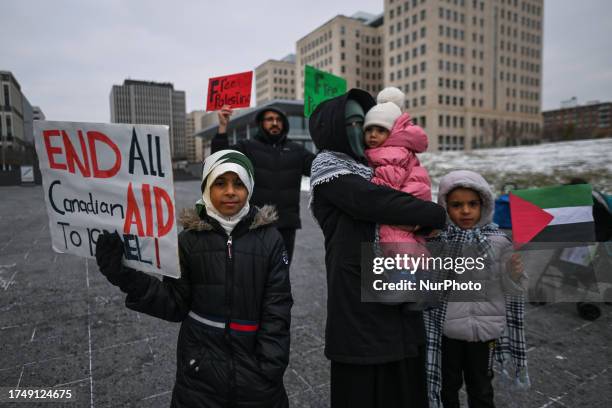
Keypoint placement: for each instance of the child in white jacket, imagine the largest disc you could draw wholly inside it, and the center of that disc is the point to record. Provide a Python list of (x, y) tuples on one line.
[(466, 335)]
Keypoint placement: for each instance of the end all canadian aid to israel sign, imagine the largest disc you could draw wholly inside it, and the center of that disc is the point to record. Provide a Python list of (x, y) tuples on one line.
[(110, 177)]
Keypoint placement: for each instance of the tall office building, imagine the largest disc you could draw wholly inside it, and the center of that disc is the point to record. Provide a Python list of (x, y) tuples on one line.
[(350, 47), (152, 103), (197, 147), (275, 79), (37, 113), (471, 69)]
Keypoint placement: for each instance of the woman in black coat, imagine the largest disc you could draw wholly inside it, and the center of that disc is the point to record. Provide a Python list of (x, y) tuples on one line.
[(233, 297), (376, 350)]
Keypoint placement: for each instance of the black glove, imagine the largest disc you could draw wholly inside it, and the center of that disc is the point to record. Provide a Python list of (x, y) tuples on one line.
[(109, 252)]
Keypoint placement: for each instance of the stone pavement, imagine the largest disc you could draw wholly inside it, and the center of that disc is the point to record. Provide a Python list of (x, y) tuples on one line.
[(62, 324)]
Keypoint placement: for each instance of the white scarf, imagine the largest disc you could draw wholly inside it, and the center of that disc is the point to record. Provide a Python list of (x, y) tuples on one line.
[(215, 166)]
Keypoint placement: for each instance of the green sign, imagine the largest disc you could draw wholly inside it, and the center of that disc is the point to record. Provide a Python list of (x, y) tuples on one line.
[(320, 86)]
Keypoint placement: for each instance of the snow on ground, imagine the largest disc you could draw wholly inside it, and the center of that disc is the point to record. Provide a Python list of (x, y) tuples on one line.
[(527, 166)]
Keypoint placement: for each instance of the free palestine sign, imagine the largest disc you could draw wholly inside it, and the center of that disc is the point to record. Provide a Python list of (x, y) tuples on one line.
[(320, 86), (233, 90)]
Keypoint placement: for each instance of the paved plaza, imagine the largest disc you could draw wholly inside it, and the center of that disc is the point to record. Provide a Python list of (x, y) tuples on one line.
[(63, 325)]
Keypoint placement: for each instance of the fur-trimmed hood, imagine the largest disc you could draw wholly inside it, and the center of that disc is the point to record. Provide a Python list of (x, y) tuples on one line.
[(263, 216), (473, 181)]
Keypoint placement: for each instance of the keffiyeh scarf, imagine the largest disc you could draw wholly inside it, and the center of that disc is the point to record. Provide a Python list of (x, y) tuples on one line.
[(329, 165)]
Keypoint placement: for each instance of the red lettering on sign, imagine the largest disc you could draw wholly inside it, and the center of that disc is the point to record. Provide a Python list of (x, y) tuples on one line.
[(163, 227), (146, 196), (132, 214), (93, 137), (72, 157), (51, 150)]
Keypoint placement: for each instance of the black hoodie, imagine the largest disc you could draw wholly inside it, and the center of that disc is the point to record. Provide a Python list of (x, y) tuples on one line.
[(348, 209), (279, 165)]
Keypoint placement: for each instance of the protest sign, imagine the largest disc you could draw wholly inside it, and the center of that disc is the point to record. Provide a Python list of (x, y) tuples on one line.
[(110, 177), (552, 215), (320, 86), (233, 90)]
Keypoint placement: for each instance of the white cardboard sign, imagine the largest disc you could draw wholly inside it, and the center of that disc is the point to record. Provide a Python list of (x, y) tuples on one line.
[(113, 177)]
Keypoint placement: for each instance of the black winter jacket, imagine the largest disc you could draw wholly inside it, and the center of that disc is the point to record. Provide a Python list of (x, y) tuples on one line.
[(279, 166), (348, 208), (234, 302)]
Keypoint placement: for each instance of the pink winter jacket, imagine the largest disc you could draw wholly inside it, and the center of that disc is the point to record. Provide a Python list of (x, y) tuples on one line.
[(396, 166)]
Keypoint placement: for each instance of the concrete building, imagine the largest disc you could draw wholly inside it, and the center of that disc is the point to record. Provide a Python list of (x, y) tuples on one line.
[(37, 113), (573, 121), (275, 79), (197, 147), (16, 131), (350, 47), (152, 103), (471, 69)]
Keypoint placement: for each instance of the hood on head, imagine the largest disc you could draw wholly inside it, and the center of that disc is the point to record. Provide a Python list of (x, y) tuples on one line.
[(264, 136), (473, 181), (407, 134), (327, 123)]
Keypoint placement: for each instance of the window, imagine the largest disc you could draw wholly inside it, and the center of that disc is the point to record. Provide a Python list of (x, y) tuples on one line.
[(7, 100)]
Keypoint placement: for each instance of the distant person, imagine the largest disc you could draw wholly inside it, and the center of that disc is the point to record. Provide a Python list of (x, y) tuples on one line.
[(233, 298), (279, 166), (376, 350), (465, 336)]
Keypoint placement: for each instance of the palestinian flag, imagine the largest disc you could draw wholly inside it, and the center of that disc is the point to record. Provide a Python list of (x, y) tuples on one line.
[(552, 214)]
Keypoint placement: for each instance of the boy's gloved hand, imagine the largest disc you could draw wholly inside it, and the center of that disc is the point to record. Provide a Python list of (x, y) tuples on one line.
[(109, 252)]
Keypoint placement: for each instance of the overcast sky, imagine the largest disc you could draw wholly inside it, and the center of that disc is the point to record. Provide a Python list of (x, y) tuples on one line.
[(67, 54)]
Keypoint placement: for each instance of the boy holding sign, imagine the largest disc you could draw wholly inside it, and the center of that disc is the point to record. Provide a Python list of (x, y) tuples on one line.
[(233, 297)]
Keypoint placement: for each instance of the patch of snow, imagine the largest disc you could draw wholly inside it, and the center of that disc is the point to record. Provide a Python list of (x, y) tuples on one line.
[(526, 166)]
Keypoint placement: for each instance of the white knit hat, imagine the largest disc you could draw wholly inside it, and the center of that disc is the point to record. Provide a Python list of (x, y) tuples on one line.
[(391, 94), (383, 115)]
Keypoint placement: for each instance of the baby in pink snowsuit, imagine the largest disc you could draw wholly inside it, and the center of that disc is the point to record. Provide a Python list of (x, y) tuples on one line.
[(392, 141)]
